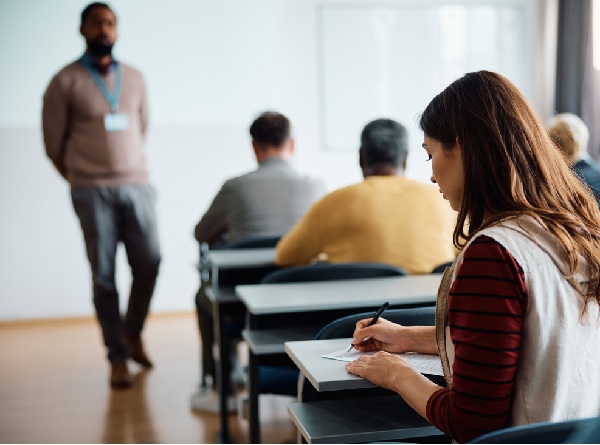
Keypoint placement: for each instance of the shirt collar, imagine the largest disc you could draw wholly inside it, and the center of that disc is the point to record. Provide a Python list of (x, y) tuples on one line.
[(93, 62), (274, 160)]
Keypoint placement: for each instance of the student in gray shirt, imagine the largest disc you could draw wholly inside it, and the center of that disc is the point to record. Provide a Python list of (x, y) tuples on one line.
[(266, 201)]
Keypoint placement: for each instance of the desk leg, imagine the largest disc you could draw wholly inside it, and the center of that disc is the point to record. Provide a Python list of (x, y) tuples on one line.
[(223, 371), (301, 383), (253, 395), (300, 438)]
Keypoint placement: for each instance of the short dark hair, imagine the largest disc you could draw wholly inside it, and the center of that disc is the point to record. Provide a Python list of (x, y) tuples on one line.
[(384, 142), (270, 128), (88, 9)]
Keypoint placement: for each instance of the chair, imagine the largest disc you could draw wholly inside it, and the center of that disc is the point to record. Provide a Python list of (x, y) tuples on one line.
[(588, 431), (344, 327), (441, 267), (545, 432), (329, 271)]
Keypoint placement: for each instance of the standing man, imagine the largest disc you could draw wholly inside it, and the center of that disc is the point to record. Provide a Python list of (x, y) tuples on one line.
[(94, 123)]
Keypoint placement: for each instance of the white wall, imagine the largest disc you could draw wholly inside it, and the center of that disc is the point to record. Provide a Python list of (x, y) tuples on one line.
[(210, 68)]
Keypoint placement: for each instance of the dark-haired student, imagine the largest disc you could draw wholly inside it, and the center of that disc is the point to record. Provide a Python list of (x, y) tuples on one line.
[(265, 201), (517, 325)]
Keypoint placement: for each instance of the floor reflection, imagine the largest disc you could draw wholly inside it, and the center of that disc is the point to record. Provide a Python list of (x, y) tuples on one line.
[(128, 418)]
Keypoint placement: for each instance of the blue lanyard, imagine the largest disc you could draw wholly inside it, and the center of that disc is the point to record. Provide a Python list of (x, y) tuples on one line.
[(111, 98)]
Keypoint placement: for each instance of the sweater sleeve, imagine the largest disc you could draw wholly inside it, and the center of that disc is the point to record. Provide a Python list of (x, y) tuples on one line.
[(55, 118), (144, 109), (487, 303), (214, 223)]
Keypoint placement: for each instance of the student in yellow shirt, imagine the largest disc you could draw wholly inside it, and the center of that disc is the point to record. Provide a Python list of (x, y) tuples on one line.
[(386, 218)]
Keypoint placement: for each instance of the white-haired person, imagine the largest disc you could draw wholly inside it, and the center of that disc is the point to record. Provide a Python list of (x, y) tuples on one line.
[(570, 134)]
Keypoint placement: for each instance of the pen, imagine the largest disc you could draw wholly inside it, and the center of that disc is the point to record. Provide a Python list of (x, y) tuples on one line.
[(380, 311)]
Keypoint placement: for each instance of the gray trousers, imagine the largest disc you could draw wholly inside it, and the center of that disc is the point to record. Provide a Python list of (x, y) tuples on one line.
[(108, 216)]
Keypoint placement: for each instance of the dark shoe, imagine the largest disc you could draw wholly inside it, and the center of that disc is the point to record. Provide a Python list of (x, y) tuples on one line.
[(136, 350), (119, 375)]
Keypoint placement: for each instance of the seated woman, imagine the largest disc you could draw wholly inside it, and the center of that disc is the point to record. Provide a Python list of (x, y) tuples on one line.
[(517, 324)]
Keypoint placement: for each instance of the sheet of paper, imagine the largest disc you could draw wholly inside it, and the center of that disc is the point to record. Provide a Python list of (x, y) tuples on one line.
[(424, 363)]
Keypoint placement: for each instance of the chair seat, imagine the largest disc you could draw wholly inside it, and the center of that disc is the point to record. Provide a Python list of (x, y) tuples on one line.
[(278, 380)]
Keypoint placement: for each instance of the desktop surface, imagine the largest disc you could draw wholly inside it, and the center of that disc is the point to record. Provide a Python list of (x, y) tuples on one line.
[(324, 295), (236, 258), (323, 373)]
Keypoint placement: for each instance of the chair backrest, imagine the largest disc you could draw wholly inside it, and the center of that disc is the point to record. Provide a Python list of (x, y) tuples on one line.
[(442, 267), (234, 276), (588, 431), (253, 242), (545, 432), (344, 327), (329, 272)]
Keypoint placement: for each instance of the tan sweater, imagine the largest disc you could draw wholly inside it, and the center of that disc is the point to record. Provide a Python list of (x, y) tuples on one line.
[(384, 219), (74, 135)]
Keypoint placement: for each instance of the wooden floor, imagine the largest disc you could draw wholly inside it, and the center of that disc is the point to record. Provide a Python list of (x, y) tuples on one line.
[(54, 388)]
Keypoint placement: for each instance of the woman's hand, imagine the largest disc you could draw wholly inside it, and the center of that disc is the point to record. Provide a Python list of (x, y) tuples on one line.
[(382, 369), (395, 373), (382, 336)]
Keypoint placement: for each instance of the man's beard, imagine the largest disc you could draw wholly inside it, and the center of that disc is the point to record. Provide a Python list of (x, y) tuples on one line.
[(98, 49)]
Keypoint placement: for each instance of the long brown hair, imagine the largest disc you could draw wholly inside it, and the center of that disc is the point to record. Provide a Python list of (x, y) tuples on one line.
[(511, 167)]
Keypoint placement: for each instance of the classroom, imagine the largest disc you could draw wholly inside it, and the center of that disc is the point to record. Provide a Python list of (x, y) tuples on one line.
[(210, 69)]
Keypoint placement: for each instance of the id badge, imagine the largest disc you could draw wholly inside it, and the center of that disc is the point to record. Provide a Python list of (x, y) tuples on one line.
[(116, 122)]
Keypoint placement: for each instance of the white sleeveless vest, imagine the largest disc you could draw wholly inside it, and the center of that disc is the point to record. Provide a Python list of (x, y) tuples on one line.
[(558, 376)]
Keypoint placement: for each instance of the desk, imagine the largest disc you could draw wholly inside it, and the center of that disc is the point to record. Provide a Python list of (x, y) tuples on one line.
[(351, 420), (271, 341), (228, 259), (323, 373), (225, 301), (274, 300), (284, 298)]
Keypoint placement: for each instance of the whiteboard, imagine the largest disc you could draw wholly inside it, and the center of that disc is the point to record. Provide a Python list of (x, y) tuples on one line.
[(390, 59)]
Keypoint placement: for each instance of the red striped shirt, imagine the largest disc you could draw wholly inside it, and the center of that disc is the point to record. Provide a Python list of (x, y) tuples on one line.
[(486, 304)]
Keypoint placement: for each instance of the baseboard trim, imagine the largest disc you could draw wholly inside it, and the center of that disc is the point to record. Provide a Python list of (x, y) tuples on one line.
[(81, 319)]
